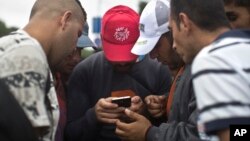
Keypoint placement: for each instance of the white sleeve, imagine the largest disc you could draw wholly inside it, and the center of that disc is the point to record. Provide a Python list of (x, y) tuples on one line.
[(25, 71)]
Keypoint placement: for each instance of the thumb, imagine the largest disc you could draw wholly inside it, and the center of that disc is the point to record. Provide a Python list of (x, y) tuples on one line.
[(136, 99), (132, 115), (148, 99), (162, 97)]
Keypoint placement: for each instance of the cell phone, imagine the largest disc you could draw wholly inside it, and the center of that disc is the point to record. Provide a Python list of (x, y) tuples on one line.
[(124, 101)]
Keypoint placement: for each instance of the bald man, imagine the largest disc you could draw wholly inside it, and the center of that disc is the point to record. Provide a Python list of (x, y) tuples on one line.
[(28, 55)]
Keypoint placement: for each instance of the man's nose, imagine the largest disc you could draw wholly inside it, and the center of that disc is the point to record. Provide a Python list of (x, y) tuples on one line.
[(174, 45)]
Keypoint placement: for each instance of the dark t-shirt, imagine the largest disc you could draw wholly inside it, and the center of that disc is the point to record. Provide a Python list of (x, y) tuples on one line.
[(93, 79)]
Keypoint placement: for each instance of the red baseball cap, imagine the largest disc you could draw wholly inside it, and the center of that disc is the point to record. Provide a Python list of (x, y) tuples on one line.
[(119, 32)]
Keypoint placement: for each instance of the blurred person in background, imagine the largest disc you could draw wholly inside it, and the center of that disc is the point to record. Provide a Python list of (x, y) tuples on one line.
[(62, 73), (238, 13)]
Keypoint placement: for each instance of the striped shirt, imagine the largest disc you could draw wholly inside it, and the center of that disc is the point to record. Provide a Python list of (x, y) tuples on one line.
[(221, 79)]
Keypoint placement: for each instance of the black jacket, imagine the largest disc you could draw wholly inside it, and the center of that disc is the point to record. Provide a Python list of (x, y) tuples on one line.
[(182, 120)]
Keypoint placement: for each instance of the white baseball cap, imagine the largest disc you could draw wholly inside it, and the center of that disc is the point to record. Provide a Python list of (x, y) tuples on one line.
[(153, 23)]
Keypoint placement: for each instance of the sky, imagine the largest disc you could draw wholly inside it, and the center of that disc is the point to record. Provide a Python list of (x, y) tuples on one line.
[(16, 12)]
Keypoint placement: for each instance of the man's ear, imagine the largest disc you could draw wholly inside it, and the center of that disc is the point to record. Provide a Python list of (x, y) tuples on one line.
[(185, 22), (65, 19)]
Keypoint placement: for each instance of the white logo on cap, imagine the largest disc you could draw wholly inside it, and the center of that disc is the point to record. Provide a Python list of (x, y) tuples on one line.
[(121, 33)]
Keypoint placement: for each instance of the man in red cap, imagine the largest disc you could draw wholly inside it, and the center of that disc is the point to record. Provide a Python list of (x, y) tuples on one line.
[(113, 72)]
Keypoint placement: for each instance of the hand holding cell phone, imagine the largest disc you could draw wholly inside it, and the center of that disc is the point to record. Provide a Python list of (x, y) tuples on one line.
[(106, 111)]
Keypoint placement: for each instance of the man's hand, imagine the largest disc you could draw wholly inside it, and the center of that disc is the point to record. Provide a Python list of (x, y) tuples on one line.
[(134, 131), (137, 104), (224, 135), (108, 112), (156, 105)]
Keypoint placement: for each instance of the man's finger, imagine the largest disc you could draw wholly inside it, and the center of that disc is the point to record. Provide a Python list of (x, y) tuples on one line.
[(109, 115), (155, 105), (108, 120), (132, 115), (136, 99), (121, 134), (121, 126), (106, 104), (148, 99), (162, 97), (154, 112)]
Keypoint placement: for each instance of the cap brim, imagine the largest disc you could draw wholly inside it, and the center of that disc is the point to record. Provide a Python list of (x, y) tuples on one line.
[(118, 53), (144, 45), (84, 41)]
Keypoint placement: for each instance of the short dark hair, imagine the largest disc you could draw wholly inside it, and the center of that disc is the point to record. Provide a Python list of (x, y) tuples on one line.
[(206, 14), (243, 3), (83, 11), (57, 5)]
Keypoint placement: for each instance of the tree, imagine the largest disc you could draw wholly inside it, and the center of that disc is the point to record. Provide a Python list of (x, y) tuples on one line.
[(5, 30), (142, 5)]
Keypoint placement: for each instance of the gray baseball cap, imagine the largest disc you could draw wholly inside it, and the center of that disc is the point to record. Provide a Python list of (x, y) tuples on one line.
[(84, 40)]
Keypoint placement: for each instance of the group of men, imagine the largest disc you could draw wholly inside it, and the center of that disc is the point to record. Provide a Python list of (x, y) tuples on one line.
[(198, 87)]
